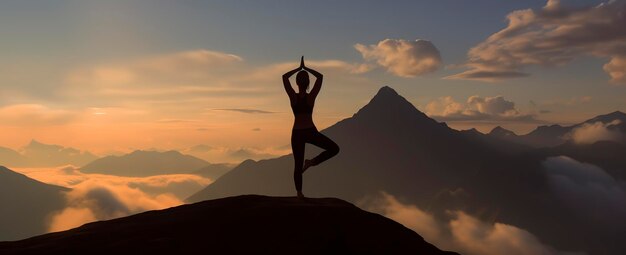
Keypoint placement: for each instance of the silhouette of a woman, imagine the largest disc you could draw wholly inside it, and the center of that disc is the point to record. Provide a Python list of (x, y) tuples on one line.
[(304, 131)]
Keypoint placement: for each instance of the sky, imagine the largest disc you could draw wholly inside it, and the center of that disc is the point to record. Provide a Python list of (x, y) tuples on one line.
[(114, 76)]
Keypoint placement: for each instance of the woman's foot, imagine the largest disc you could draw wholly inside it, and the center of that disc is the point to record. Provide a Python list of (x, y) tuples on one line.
[(300, 195), (307, 163)]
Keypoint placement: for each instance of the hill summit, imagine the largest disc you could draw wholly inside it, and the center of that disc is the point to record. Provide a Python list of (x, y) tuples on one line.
[(248, 224), (146, 163)]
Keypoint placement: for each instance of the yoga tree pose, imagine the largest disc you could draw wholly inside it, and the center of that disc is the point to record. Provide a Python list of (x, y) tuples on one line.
[(304, 131)]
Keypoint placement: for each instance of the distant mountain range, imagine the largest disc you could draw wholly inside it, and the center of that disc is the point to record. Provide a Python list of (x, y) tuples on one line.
[(37, 154), (237, 225), (147, 163), (389, 145), (137, 163), (26, 205), (554, 135)]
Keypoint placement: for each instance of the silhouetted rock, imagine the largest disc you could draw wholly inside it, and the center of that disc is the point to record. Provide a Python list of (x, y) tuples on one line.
[(247, 224), (26, 204), (146, 163)]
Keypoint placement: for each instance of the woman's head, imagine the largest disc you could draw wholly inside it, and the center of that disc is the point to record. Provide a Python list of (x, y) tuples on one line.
[(302, 80)]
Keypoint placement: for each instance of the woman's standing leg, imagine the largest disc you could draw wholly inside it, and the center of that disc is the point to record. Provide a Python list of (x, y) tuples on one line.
[(297, 146)]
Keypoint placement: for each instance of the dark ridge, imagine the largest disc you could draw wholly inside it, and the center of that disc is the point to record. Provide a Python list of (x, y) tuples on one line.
[(607, 118), (26, 205), (249, 224)]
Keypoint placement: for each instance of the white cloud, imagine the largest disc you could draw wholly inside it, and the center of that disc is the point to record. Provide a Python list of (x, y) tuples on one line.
[(476, 108), (92, 200), (616, 68), (473, 236), (462, 233), (102, 197), (589, 133), (410, 216), (552, 36), (591, 193), (402, 57), (70, 218)]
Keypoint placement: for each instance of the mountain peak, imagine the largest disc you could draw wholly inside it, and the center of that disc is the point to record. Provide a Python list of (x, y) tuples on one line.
[(146, 163), (387, 106), (500, 131), (34, 142), (618, 113), (387, 90), (608, 118), (472, 131)]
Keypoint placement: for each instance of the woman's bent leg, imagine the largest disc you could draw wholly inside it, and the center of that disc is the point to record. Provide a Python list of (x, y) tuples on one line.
[(330, 148)]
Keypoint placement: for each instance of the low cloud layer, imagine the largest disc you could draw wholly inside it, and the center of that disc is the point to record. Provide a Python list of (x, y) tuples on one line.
[(552, 36), (101, 197), (476, 108), (462, 233), (92, 200), (403, 57), (591, 193), (590, 133)]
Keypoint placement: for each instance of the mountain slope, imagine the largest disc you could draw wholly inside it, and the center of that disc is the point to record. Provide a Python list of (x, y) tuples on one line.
[(25, 205), (237, 225), (146, 163), (214, 171)]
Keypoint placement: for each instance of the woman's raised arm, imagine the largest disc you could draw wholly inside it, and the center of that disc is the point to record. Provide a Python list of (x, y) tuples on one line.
[(318, 80), (290, 92)]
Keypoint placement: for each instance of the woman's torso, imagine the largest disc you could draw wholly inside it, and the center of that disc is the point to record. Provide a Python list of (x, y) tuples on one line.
[(302, 108)]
